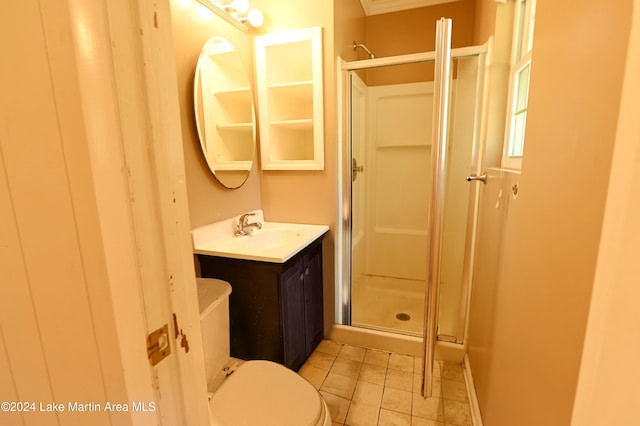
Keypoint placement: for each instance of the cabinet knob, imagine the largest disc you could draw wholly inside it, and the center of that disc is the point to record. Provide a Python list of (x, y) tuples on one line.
[(301, 277), (306, 271)]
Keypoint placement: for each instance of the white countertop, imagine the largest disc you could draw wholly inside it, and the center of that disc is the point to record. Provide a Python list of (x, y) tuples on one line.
[(276, 242)]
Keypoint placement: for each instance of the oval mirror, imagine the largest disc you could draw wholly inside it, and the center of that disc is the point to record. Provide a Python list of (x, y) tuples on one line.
[(225, 117)]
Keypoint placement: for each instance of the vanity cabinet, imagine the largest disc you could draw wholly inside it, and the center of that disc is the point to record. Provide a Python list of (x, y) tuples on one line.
[(275, 309), (290, 99)]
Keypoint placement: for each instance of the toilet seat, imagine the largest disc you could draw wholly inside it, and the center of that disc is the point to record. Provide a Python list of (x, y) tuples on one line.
[(267, 394)]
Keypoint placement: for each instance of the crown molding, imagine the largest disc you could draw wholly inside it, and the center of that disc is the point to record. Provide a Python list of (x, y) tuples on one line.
[(376, 7)]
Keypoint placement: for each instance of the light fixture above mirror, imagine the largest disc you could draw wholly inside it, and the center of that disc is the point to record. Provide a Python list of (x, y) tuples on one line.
[(237, 12)]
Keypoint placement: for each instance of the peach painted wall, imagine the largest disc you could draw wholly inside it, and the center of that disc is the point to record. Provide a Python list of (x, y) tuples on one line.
[(485, 20), (606, 393), (413, 31), (350, 26), (306, 196), (552, 230), (303, 196), (209, 201)]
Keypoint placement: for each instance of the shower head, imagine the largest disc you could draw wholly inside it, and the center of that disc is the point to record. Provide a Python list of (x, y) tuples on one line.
[(356, 45)]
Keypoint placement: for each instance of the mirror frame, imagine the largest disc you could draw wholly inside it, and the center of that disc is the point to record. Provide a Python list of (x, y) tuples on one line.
[(225, 120)]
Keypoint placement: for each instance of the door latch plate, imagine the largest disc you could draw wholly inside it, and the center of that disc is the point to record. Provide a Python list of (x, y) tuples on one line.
[(158, 347)]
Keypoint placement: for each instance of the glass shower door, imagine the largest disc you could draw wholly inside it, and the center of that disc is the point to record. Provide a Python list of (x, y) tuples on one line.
[(436, 206), (391, 148), (408, 212)]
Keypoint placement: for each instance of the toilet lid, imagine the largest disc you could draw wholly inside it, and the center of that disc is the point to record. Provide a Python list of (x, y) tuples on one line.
[(265, 393)]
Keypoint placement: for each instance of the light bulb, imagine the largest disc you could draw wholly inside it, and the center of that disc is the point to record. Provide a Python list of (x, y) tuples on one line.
[(241, 6), (204, 12), (255, 18)]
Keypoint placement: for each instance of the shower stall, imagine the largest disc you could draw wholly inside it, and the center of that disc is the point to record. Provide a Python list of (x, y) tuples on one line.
[(410, 160)]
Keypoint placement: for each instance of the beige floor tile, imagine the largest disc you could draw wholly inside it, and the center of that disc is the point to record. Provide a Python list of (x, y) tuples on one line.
[(437, 368), (368, 393), (338, 406), (457, 413), (353, 353), (346, 367), (372, 387), (397, 379), (401, 362), (436, 390), (361, 414), (418, 365), (339, 385), (419, 421), (321, 360), (454, 390), (417, 383), (376, 357), (397, 400), (391, 418), (373, 374), (452, 371), (429, 408), (314, 375), (329, 347)]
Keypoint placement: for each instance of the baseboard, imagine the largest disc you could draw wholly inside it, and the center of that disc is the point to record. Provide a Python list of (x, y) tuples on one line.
[(471, 393)]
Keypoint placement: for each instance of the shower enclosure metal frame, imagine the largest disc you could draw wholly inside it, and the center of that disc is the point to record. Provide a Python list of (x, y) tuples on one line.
[(442, 56)]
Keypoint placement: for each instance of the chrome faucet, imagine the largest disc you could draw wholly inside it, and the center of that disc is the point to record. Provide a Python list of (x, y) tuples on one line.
[(244, 227)]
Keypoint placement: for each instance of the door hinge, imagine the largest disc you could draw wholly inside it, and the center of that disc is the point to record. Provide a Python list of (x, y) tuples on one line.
[(158, 347)]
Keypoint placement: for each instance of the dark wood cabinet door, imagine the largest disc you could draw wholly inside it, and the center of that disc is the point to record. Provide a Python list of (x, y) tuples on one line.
[(314, 326), (293, 325)]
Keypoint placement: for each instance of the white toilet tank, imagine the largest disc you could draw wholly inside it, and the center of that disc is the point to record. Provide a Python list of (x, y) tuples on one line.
[(213, 299)]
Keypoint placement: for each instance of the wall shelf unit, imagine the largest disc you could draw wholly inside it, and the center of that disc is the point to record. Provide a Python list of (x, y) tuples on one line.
[(290, 99), (227, 114)]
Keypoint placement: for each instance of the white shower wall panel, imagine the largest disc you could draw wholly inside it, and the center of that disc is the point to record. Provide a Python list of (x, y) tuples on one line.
[(398, 179)]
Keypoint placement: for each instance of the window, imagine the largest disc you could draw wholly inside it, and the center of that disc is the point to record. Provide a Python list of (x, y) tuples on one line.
[(519, 83)]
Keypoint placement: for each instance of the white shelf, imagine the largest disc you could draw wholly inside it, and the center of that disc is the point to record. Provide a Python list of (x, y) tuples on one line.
[(291, 85), (306, 123), (236, 127), (290, 95), (240, 93)]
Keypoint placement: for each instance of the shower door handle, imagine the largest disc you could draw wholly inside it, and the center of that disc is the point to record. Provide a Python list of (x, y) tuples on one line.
[(482, 178), (355, 169)]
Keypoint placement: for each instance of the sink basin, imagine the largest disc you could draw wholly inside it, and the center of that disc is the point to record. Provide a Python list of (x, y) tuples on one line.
[(269, 238), (276, 242)]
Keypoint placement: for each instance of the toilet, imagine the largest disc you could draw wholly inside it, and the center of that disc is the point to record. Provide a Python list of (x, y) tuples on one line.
[(249, 393)]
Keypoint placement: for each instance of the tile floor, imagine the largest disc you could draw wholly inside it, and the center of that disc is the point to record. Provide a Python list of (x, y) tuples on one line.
[(370, 387)]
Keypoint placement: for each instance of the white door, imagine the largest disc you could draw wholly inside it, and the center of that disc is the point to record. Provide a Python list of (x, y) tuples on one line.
[(149, 116), (96, 252)]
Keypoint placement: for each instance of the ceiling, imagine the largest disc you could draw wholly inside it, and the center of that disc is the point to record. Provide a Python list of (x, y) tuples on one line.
[(375, 7)]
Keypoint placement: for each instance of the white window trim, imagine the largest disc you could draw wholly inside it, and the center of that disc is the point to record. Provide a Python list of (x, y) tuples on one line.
[(518, 61)]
